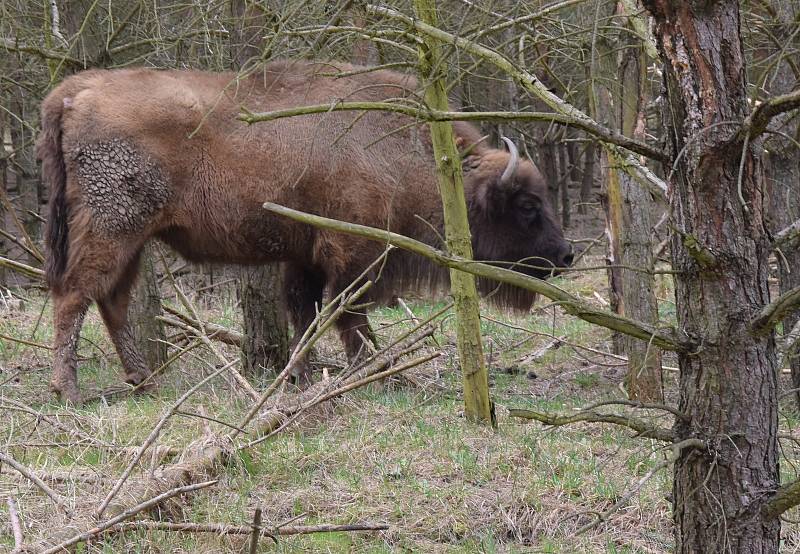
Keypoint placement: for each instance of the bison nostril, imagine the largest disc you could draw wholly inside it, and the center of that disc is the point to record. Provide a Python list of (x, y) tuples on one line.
[(567, 260)]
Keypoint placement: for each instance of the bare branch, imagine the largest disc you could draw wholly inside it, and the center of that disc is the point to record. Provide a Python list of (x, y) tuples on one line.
[(641, 428), (775, 311), (785, 498), (226, 529), (16, 526), (532, 84), (30, 475), (424, 114), (664, 338), (787, 235), (44, 53), (758, 121)]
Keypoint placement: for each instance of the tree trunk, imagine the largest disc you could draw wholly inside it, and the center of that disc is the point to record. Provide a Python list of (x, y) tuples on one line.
[(565, 172), (145, 307), (477, 404), (589, 158), (26, 191), (550, 169), (720, 247), (4, 243), (783, 177), (265, 329), (644, 379)]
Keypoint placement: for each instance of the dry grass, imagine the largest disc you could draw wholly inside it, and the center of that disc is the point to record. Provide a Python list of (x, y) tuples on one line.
[(400, 454)]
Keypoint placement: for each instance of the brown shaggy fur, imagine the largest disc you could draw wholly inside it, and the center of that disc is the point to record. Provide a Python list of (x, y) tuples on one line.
[(136, 153)]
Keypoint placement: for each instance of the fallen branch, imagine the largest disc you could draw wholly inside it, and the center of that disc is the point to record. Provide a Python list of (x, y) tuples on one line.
[(16, 526), (187, 323), (154, 433), (129, 513), (641, 428), (31, 476), (19, 267), (223, 529)]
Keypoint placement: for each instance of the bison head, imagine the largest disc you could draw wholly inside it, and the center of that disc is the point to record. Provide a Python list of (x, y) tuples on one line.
[(512, 221)]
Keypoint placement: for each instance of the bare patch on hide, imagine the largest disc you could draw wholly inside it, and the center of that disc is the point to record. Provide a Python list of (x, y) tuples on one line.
[(122, 187)]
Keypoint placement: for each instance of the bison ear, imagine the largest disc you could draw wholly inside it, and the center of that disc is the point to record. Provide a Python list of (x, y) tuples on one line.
[(465, 149)]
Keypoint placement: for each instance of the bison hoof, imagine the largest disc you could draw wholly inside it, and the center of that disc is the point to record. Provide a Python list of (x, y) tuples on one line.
[(139, 380), (301, 377), (68, 393)]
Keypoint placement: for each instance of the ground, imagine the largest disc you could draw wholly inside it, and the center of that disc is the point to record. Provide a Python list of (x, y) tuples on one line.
[(399, 453)]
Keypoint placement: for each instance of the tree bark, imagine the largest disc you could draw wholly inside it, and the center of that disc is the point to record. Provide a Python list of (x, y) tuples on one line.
[(720, 247), (265, 329), (477, 404), (264, 323), (644, 379), (782, 167), (143, 313), (26, 192), (587, 182), (565, 172)]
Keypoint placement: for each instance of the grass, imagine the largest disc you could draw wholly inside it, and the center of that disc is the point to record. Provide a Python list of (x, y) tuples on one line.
[(401, 454)]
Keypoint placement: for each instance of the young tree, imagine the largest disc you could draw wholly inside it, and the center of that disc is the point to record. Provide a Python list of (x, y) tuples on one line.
[(477, 404)]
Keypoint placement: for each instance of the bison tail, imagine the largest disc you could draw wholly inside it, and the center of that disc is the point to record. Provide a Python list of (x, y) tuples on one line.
[(54, 175)]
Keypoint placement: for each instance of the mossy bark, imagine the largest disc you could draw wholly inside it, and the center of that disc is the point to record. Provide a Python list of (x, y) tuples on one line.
[(477, 404)]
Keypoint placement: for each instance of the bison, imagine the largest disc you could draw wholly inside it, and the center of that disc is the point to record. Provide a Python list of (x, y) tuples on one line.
[(133, 154)]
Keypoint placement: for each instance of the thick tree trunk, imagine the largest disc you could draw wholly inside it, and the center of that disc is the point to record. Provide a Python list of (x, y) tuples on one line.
[(264, 323), (720, 249), (143, 312), (265, 329)]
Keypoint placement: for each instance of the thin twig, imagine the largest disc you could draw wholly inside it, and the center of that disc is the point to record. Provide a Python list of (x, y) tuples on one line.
[(256, 530), (57, 499), (225, 529)]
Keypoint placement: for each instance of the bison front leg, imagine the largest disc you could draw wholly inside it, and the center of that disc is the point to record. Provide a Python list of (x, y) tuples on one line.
[(356, 335), (114, 310), (69, 310), (303, 290)]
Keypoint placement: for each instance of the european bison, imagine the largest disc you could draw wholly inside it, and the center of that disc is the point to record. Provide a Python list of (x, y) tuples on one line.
[(133, 154)]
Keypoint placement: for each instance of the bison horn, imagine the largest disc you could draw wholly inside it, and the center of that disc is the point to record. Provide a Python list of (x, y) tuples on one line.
[(513, 162)]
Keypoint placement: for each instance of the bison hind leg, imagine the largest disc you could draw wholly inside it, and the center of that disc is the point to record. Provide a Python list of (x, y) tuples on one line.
[(114, 310), (69, 309)]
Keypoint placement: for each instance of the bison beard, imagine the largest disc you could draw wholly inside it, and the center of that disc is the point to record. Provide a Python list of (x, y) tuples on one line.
[(134, 154)]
